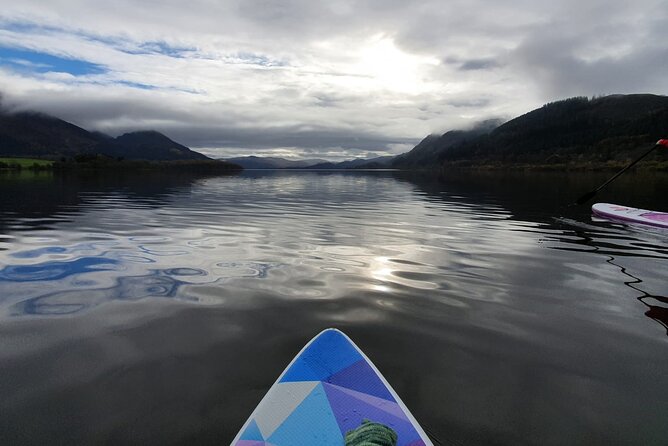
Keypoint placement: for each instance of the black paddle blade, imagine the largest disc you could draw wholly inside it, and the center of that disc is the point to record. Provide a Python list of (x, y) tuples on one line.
[(586, 197)]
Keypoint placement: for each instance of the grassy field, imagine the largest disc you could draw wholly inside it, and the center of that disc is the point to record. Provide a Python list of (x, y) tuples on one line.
[(26, 163)]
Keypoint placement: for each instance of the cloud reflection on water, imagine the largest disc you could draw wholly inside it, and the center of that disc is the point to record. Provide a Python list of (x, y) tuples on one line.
[(40, 285), (211, 285), (55, 270), (324, 235)]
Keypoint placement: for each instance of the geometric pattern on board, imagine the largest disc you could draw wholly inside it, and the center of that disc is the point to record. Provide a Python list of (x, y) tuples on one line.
[(281, 401), (326, 391)]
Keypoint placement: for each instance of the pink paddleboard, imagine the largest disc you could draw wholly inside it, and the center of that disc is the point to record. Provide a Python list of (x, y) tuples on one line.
[(631, 215)]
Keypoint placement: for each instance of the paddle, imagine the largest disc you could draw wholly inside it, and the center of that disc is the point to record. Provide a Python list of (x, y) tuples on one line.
[(589, 195)]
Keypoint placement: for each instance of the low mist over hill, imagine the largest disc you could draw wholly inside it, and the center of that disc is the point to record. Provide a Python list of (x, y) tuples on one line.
[(428, 152), (576, 130), (28, 134), (33, 134)]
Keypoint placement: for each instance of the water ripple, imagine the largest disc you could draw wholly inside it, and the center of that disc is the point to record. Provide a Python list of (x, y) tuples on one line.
[(122, 295), (300, 237)]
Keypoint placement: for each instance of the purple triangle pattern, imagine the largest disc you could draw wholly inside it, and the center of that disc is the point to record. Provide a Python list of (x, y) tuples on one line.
[(387, 406), (361, 377), (350, 412)]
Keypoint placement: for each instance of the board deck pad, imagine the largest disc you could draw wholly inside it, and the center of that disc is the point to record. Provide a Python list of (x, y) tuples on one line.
[(631, 215), (327, 390)]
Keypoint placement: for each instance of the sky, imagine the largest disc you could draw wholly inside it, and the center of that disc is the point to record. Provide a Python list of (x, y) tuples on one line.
[(309, 79)]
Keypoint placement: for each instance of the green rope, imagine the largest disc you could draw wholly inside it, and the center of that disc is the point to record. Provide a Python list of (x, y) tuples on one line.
[(371, 434)]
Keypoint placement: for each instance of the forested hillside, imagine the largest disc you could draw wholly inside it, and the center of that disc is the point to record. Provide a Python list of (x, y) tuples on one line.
[(577, 131)]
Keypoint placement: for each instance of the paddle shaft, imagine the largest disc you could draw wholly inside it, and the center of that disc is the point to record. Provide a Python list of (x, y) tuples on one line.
[(589, 195), (627, 167)]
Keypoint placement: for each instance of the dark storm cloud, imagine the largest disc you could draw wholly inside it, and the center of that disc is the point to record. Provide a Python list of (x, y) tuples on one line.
[(556, 66), (605, 48), (482, 63), (479, 64), (470, 102), (93, 112), (289, 136)]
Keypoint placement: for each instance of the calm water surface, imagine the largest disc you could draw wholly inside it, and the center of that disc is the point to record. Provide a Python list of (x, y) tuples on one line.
[(158, 310)]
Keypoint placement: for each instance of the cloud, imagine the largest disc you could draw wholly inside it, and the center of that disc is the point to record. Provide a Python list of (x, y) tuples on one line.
[(565, 64), (480, 63), (334, 78)]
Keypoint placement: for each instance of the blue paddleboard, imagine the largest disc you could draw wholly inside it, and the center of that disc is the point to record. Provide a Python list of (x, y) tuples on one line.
[(329, 389)]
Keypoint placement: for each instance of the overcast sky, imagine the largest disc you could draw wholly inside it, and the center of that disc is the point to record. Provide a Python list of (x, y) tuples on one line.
[(307, 78)]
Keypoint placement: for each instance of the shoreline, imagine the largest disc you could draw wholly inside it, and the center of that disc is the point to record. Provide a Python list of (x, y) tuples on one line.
[(41, 165)]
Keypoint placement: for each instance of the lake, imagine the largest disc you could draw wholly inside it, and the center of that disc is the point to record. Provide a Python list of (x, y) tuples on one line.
[(159, 309)]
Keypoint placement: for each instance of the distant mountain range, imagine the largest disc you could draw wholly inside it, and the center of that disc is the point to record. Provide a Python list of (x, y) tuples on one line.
[(577, 131), (380, 162), (256, 162), (38, 135)]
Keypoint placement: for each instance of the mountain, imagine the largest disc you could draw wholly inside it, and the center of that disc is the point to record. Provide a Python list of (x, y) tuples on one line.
[(596, 131), (33, 134), (257, 162), (428, 152), (29, 134), (357, 163), (148, 145), (573, 130)]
